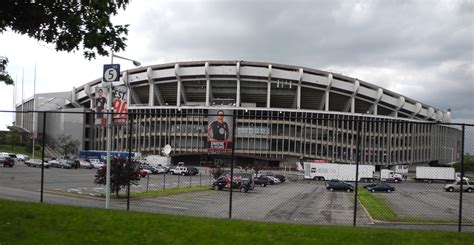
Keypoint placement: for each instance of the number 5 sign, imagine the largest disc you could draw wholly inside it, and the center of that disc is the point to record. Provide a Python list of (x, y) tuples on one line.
[(119, 103), (111, 73)]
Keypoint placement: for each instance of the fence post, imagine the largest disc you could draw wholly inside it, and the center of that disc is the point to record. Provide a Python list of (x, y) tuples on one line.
[(190, 180), (357, 171), (232, 165), (147, 181), (462, 178), (200, 184), (178, 179), (42, 155), (129, 162), (164, 181)]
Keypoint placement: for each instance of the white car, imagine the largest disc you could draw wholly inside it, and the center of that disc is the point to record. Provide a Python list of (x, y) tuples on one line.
[(96, 163), (22, 157), (36, 163)]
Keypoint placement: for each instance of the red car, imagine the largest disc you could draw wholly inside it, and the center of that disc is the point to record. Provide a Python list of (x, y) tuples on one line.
[(6, 161)]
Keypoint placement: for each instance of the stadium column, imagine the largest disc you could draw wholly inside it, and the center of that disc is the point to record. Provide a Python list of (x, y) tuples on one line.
[(237, 69), (326, 95), (298, 95), (208, 83), (151, 100), (178, 93), (269, 85), (354, 93)]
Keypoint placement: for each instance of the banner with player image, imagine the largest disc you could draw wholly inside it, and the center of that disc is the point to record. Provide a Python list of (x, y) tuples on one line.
[(219, 131), (120, 104), (100, 105)]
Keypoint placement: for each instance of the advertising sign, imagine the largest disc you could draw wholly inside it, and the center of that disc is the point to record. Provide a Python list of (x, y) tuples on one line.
[(219, 131), (120, 104), (100, 106)]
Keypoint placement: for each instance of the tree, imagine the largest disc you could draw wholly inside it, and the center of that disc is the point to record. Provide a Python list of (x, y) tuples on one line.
[(119, 174), (68, 145), (4, 77), (67, 24)]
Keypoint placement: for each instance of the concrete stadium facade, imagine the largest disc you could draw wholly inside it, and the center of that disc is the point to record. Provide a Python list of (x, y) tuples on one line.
[(283, 113)]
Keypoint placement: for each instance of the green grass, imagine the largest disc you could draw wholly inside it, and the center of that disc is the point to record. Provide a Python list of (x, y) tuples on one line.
[(379, 209), (33, 223), (152, 193), (19, 150), (166, 192)]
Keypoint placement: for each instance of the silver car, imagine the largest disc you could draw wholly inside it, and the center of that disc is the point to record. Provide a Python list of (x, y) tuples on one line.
[(456, 186)]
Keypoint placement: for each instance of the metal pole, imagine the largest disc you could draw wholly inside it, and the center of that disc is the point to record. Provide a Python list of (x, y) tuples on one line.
[(164, 181), (109, 143), (462, 178), (190, 180), (178, 180), (200, 184), (147, 181), (129, 163), (232, 165), (42, 155), (359, 123)]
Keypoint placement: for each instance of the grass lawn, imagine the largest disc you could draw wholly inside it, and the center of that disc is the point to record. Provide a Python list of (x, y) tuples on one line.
[(379, 210), (18, 149), (152, 193), (33, 223)]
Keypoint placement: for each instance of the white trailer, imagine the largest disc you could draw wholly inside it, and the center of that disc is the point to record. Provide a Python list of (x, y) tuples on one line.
[(158, 161), (328, 171), (431, 174)]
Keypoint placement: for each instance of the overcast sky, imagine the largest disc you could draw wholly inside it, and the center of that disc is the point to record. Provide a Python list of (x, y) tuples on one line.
[(421, 49)]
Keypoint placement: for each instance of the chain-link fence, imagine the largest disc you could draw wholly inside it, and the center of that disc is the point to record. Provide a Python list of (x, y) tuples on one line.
[(275, 166)]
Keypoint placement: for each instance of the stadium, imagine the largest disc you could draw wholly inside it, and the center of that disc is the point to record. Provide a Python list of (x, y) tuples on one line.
[(275, 115)]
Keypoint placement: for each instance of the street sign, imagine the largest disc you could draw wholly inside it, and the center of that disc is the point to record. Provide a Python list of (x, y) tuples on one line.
[(111, 73)]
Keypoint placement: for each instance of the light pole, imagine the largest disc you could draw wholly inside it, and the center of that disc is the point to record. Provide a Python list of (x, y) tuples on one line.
[(109, 128)]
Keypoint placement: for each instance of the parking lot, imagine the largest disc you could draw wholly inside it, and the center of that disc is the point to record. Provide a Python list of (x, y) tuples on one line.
[(296, 202)]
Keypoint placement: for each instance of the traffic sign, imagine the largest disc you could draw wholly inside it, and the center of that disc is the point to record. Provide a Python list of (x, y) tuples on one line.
[(111, 73)]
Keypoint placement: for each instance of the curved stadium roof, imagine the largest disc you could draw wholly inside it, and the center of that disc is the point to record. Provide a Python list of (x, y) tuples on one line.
[(261, 85)]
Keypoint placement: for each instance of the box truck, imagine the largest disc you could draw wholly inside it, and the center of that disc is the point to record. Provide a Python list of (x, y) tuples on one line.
[(431, 174), (328, 171)]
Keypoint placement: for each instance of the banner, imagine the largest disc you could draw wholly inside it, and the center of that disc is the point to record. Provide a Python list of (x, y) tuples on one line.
[(100, 106), (120, 104), (219, 131)]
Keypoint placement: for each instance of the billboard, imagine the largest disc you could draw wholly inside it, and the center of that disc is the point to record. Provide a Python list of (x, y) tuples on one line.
[(219, 131), (120, 104), (100, 106)]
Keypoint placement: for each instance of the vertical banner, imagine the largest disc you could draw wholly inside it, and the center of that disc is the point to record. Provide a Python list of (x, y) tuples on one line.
[(100, 106), (120, 104), (219, 131)]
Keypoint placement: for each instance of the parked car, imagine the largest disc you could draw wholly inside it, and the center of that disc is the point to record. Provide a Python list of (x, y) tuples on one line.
[(193, 171), (274, 180), (85, 164), (280, 177), (151, 169), (179, 170), (96, 163), (36, 163), (6, 161), (240, 182), (22, 157), (372, 184), (456, 186), (383, 187), (333, 185), (143, 173), (61, 163), (74, 163), (262, 181)]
